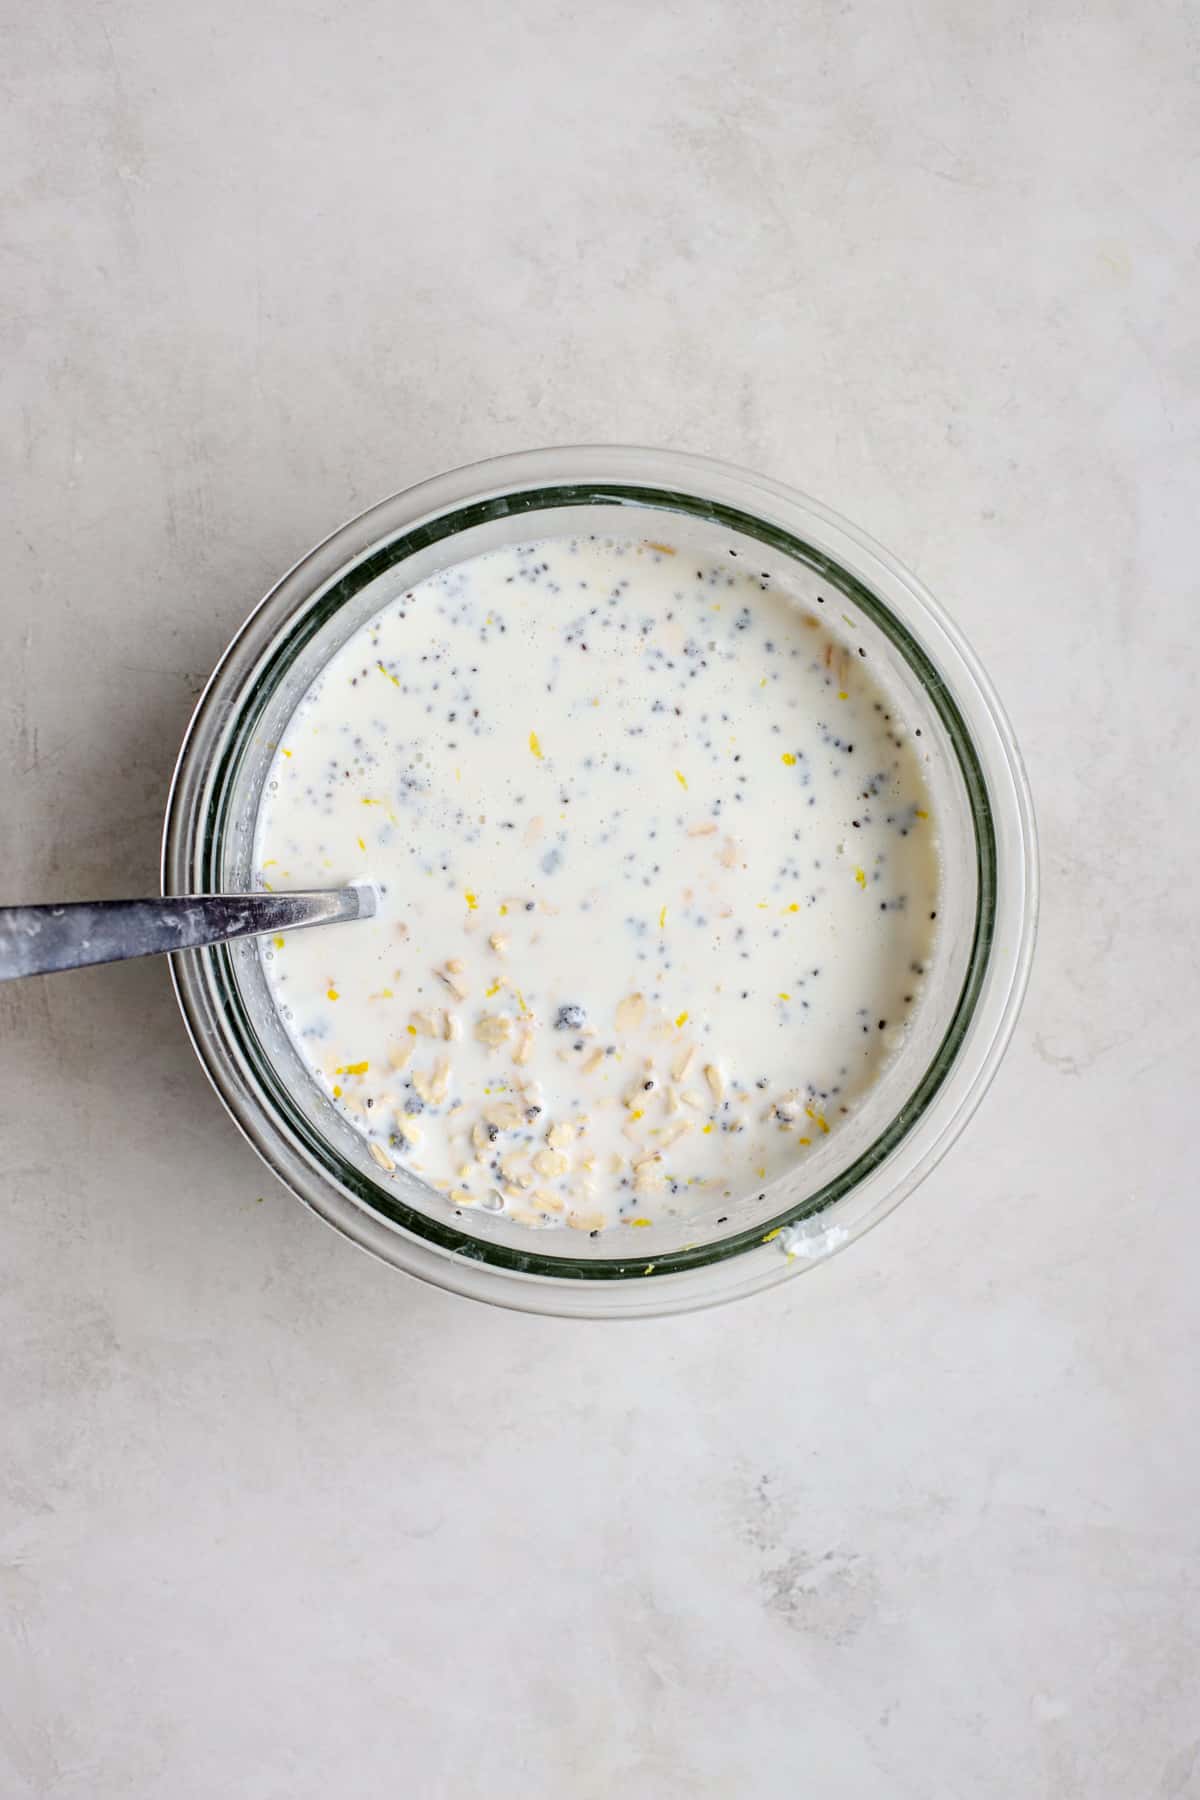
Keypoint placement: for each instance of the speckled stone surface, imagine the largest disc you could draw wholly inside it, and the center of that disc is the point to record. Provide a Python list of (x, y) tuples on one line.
[(275, 1522)]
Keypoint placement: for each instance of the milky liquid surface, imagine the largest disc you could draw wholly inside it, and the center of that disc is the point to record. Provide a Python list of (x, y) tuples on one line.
[(658, 882)]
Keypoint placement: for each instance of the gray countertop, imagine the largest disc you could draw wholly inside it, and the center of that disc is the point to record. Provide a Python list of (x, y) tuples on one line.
[(276, 1522)]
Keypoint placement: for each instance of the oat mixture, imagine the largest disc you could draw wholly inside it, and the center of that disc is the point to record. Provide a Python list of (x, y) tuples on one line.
[(659, 881)]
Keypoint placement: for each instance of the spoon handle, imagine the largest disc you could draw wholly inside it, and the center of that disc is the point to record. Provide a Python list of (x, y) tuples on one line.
[(41, 940)]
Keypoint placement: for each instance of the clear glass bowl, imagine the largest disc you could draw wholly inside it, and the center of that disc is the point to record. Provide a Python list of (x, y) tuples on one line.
[(987, 911)]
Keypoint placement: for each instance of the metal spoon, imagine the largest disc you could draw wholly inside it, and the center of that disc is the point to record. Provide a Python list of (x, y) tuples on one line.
[(41, 940)]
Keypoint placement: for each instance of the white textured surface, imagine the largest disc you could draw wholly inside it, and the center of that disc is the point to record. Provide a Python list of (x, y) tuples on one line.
[(277, 1523)]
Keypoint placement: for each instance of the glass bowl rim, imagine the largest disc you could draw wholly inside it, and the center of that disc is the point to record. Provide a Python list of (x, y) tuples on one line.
[(317, 585)]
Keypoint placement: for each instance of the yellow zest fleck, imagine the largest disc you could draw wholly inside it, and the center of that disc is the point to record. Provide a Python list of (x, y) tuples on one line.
[(362, 844), (383, 994), (860, 877), (842, 696), (707, 1129), (682, 1020), (494, 989), (278, 943), (637, 1113), (332, 994), (761, 1173), (412, 1030), (503, 911), (762, 905), (337, 1092), (353, 1068), (681, 779), (817, 1118), (795, 906), (763, 682), (804, 1140), (663, 549), (268, 887), (367, 802), (521, 1001), (534, 745), (767, 1236), (271, 862), (789, 759), (285, 753), (662, 919), (641, 1221), (472, 900), (921, 813), (785, 996), (649, 1269), (392, 678)]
